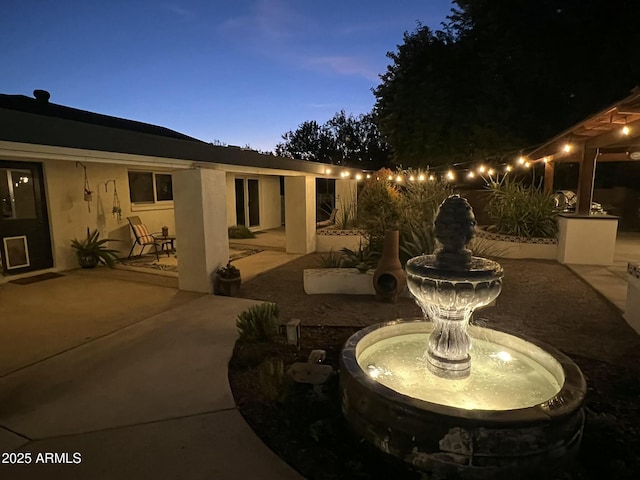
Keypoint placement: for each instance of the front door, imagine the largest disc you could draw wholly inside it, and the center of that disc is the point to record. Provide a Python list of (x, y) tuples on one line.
[(25, 242)]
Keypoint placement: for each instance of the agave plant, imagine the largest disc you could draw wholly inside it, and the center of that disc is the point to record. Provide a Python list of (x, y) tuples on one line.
[(92, 250)]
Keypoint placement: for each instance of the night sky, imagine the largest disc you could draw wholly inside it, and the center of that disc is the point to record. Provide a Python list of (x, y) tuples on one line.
[(241, 72)]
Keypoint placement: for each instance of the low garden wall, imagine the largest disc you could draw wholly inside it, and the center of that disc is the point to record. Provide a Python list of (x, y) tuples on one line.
[(507, 246), (328, 239)]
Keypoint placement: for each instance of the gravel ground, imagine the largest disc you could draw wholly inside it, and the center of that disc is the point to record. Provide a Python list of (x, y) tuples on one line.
[(540, 299)]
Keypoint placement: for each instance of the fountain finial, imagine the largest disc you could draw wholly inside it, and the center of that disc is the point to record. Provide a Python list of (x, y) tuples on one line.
[(454, 228)]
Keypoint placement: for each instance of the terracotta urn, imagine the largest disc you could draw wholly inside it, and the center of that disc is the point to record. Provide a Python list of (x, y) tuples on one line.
[(389, 278)]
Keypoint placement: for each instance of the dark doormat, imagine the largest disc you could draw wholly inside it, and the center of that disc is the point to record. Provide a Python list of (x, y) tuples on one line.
[(35, 278)]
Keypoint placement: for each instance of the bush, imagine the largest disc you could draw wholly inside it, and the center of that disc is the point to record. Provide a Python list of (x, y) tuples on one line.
[(378, 207), (523, 211), (259, 323), (419, 202), (331, 259), (240, 231)]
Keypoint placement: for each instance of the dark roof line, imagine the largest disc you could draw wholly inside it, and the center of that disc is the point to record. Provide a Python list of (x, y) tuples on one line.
[(41, 106)]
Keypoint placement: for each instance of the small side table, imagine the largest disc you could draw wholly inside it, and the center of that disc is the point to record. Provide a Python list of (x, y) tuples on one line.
[(166, 241)]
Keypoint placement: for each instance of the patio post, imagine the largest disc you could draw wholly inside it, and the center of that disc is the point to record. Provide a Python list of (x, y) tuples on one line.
[(300, 214), (201, 226)]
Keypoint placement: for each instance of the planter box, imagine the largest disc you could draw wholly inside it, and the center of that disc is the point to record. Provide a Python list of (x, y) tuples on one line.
[(632, 308), (328, 239), (587, 239), (507, 246)]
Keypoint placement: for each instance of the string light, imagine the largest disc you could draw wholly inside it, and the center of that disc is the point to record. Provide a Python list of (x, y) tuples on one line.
[(398, 179), (521, 160), (490, 172), (358, 177), (626, 130), (411, 178), (567, 147), (470, 174), (421, 177), (390, 177), (508, 168), (527, 164), (327, 171), (431, 177), (368, 176), (450, 175), (481, 169)]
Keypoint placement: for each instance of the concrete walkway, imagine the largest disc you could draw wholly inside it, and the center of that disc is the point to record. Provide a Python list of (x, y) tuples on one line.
[(611, 280), (130, 375)]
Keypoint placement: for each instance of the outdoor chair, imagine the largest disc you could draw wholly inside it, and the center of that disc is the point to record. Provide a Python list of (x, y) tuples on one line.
[(330, 221), (144, 238)]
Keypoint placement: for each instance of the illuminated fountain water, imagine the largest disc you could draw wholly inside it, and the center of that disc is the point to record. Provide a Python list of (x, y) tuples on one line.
[(459, 400)]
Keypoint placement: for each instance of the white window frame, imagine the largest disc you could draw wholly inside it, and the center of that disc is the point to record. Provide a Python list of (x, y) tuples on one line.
[(156, 204)]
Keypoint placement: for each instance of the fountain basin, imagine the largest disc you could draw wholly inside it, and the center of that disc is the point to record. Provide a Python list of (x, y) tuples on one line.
[(467, 437)]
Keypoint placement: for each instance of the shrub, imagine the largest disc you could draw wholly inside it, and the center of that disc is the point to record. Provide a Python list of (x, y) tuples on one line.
[(362, 255), (240, 231), (523, 211), (259, 323), (378, 207), (331, 259)]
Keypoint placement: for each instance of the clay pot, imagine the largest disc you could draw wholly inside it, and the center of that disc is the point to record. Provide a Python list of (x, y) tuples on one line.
[(389, 279)]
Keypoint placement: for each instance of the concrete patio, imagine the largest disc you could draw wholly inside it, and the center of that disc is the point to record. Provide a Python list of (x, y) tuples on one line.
[(128, 372)]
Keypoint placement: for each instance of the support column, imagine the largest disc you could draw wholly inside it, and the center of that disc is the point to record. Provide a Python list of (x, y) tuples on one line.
[(300, 214), (201, 227), (585, 180), (548, 177), (346, 198)]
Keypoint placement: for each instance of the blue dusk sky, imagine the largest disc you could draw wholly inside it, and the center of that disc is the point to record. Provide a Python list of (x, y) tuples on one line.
[(242, 72)]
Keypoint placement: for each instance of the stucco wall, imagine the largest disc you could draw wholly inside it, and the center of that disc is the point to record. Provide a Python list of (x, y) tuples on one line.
[(69, 214)]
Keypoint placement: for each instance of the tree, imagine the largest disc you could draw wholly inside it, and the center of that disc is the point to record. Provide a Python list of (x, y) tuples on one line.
[(342, 140), (504, 74)]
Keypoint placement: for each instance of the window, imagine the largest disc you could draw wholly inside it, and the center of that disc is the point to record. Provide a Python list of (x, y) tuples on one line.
[(150, 187)]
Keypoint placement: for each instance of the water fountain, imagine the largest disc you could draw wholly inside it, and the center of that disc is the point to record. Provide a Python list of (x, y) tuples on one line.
[(456, 400)]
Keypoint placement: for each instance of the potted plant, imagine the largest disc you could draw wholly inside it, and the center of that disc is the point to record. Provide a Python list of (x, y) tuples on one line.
[(92, 250), (227, 281)]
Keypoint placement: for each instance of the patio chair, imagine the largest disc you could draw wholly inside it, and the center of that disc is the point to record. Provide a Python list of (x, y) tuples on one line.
[(330, 221), (144, 238)]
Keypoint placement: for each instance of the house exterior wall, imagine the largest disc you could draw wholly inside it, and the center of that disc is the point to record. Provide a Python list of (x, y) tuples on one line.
[(69, 214)]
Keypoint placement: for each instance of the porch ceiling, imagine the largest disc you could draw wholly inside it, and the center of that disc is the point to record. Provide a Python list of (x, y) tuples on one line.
[(603, 131)]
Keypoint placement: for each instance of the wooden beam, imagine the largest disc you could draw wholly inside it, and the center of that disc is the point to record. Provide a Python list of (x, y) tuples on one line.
[(615, 136), (585, 180)]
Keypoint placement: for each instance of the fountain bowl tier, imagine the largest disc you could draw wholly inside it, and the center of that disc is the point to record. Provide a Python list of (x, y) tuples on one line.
[(452, 429)]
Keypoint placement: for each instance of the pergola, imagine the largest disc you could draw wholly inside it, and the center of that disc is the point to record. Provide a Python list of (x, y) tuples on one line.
[(611, 135)]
